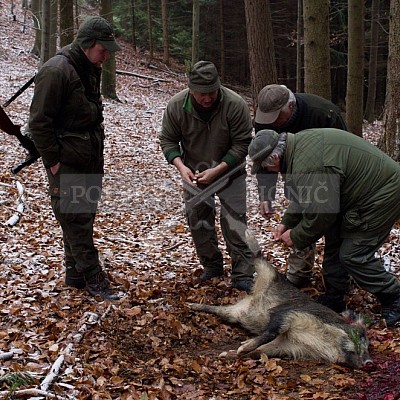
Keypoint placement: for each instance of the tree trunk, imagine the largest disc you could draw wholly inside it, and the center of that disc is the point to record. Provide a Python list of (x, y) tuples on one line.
[(195, 31), (150, 29), (222, 40), (108, 74), (355, 67), (66, 22), (369, 112), (317, 77), (133, 34), (37, 18), (261, 45), (299, 47), (390, 142), (164, 17), (45, 48), (53, 28)]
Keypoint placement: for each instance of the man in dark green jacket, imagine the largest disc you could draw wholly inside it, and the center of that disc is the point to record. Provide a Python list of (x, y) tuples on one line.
[(345, 189), (206, 130), (284, 111), (66, 124)]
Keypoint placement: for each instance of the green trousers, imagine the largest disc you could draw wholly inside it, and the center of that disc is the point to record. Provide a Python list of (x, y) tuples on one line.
[(74, 200), (356, 258), (201, 221)]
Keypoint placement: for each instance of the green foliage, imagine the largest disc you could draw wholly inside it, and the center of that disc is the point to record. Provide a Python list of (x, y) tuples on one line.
[(15, 380)]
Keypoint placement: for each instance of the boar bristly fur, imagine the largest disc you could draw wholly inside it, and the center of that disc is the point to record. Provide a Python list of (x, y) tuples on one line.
[(290, 324)]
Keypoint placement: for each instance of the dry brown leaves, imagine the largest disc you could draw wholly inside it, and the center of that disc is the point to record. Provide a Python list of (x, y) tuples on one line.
[(149, 345)]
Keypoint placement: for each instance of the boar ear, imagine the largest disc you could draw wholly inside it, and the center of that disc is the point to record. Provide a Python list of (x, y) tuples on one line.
[(352, 317)]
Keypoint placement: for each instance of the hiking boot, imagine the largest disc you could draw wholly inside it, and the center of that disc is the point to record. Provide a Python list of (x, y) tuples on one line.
[(210, 273), (391, 313), (334, 301), (243, 284), (98, 285), (73, 278)]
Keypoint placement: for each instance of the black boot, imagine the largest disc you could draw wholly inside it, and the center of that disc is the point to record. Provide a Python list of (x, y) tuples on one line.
[(390, 309), (73, 278), (334, 301), (98, 285), (210, 273)]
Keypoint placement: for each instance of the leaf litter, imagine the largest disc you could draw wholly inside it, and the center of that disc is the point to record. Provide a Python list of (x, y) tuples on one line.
[(149, 345)]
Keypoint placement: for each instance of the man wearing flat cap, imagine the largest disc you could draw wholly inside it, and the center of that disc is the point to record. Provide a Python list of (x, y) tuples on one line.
[(284, 111), (206, 130), (66, 124), (346, 189)]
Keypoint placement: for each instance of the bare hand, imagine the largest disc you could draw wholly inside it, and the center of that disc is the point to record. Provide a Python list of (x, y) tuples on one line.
[(207, 176), (266, 209), (54, 169), (279, 231)]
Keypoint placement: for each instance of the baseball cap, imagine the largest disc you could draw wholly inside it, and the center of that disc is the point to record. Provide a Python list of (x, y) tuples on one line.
[(271, 99), (261, 147), (97, 29)]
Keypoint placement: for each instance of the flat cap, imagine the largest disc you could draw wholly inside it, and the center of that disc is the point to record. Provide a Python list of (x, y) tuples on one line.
[(271, 99), (261, 147)]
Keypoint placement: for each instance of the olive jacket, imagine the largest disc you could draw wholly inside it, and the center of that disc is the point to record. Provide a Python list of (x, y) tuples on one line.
[(202, 145), (66, 111), (312, 112), (333, 174)]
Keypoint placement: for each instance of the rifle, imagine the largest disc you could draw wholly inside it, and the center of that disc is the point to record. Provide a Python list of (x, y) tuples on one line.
[(7, 126), (201, 195)]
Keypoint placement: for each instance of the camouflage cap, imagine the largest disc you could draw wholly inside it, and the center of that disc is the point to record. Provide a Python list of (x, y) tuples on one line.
[(97, 29)]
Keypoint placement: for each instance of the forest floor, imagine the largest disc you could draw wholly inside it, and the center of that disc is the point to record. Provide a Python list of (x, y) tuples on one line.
[(149, 345)]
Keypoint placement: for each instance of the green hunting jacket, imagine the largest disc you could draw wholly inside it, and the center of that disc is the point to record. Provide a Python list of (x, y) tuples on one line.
[(66, 112), (331, 173), (202, 145)]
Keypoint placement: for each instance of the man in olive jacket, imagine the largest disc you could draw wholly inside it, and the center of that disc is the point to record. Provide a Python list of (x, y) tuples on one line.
[(65, 122), (284, 111), (346, 189), (206, 130)]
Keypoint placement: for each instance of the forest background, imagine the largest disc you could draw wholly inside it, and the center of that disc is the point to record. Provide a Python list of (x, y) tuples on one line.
[(65, 344)]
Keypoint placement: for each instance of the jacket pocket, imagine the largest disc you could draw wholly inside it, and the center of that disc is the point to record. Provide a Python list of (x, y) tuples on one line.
[(76, 148), (353, 220)]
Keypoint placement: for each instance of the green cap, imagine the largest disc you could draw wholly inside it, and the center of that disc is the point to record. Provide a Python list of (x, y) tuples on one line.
[(203, 77), (261, 147), (97, 29)]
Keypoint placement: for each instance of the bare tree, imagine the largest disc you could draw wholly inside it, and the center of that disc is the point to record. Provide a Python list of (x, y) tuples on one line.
[(66, 22), (369, 112), (132, 11), (261, 45), (355, 67), (108, 76), (390, 142), (164, 17), (45, 30), (195, 31), (317, 79)]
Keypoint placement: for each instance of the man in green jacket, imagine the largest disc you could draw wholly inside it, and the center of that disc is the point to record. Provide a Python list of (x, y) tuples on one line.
[(284, 111), (206, 130), (66, 124), (346, 189)]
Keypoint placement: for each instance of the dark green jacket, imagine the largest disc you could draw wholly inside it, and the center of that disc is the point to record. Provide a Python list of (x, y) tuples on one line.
[(312, 112), (340, 175), (202, 145), (66, 111)]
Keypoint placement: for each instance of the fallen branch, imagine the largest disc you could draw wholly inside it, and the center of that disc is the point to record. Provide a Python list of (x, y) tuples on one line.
[(6, 356), (31, 392), (92, 318), (142, 76), (13, 220)]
